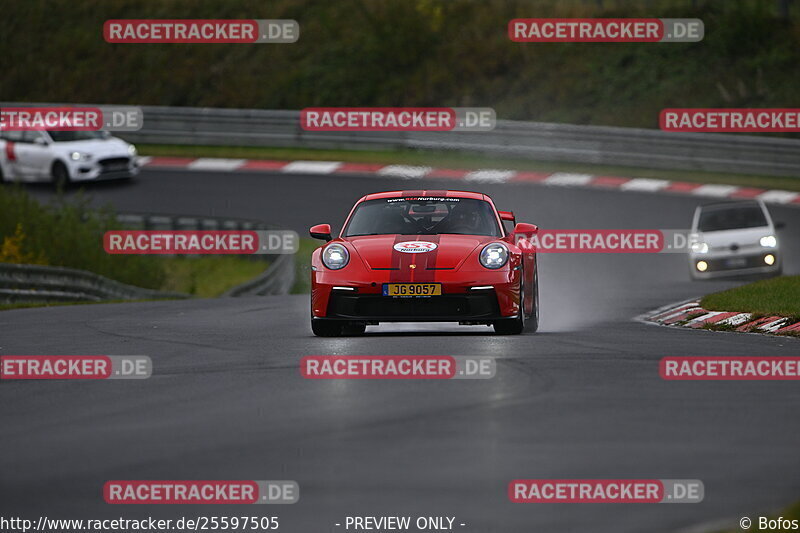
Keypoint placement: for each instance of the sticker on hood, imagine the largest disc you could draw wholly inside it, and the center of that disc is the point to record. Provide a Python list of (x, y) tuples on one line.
[(415, 247)]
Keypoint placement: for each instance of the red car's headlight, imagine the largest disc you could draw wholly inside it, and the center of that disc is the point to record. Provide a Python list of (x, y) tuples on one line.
[(335, 256), (494, 255)]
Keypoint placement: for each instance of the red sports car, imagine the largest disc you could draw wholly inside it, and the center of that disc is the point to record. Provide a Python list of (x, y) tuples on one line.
[(424, 256)]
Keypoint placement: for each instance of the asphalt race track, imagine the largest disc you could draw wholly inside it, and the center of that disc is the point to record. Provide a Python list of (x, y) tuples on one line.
[(580, 399)]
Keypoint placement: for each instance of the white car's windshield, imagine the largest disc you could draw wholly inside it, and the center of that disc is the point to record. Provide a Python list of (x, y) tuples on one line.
[(727, 218), (69, 136), (423, 216)]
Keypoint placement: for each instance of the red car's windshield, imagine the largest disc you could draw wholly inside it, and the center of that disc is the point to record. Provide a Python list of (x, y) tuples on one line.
[(423, 216)]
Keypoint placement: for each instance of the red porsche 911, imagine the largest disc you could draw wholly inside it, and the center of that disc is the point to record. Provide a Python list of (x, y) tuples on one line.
[(424, 256)]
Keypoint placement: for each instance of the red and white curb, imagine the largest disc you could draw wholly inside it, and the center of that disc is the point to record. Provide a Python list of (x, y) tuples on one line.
[(689, 314), (558, 179)]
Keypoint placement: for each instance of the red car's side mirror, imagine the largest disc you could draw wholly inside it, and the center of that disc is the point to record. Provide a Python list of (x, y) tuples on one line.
[(321, 231), (507, 215), (526, 230)]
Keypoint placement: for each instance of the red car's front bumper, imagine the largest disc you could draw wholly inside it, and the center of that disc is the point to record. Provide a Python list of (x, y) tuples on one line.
[(358, 296)]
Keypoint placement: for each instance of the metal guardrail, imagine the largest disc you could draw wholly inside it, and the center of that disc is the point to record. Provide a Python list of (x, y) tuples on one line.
[(36, 283), (278, 278), (531, 140), (44, 284), (739, 154)]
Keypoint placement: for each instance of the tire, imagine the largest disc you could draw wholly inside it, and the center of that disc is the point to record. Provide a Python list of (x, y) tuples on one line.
[(326, 328), (60, 175), (533, 321), (513, 326)]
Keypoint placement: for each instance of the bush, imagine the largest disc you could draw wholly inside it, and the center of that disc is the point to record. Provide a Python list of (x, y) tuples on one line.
[(68, 234)]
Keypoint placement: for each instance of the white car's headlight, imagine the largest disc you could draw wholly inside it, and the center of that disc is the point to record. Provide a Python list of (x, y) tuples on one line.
[(80, 156), (132, 150), (494, 255), (335, 256), (769, 241), (699, 247)]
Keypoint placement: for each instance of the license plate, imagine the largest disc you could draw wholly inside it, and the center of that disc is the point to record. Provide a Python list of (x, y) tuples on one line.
[(412, 289), (736, 262)]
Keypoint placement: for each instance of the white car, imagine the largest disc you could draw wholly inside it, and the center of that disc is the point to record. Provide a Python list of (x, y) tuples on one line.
[(64, 157), (733, 239)]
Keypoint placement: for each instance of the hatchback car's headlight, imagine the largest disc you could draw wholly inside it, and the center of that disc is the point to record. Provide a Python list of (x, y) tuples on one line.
[(699, 247), (79, 156), (769, 241), (494, 255), (335, 256)]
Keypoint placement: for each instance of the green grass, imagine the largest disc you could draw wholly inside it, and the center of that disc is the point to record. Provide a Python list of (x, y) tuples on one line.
[(68, 233), (790, 513), (458, 160), (209, 276), (776, 296), (302, 282)]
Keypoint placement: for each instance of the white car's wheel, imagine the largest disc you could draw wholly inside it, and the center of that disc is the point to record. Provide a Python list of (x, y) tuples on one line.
[(60, 175)]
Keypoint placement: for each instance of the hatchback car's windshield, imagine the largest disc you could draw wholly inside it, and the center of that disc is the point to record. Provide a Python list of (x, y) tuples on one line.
[(423, 216), (725, 218), (69, 136)]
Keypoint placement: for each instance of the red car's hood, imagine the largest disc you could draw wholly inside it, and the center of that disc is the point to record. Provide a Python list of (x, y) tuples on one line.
[(378, 251)]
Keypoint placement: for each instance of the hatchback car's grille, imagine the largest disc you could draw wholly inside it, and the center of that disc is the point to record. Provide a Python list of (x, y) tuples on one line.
[(737, 262), (114, 164)]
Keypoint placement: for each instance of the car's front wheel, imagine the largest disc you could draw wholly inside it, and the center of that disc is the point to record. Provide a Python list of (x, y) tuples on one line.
[(60, 175), (533, 321)]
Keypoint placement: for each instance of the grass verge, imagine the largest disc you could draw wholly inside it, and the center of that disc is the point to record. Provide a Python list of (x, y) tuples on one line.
[(777, 296), (302, 282), (459, 160), (70, 234), (209, 276)]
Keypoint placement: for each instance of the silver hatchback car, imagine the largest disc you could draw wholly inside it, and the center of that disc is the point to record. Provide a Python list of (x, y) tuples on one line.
[(734, 239)]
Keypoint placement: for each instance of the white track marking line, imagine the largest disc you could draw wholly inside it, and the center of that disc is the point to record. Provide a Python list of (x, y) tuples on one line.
[(568, 179), (736, 320), (779, 197), (713, 189), (490, 175), (311, 167), (773, 326), (404, 171), (703, 318), (645, 184), (216, 163)]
